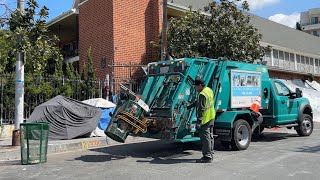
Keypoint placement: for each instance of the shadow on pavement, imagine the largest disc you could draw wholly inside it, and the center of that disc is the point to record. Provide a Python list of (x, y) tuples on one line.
[(309, 149), (156, 152), (98, 158), (11, 163), (272, 136), (161, 152)]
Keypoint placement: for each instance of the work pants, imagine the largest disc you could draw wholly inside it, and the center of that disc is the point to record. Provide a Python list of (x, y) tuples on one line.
[(207, 139)]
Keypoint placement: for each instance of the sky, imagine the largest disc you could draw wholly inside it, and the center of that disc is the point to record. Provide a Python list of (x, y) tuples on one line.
[(286, 12)]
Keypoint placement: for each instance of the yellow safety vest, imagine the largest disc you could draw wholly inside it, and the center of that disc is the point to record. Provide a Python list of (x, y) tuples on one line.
[(209, 112)]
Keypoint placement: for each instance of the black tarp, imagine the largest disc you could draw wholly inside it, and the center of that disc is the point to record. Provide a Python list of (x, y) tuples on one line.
[(68, 118)]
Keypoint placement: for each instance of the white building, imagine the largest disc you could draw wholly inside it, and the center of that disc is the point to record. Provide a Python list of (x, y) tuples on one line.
[(310, 21), (294, 54)]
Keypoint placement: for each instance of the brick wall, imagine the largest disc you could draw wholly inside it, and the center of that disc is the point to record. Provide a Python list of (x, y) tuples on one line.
[(289, 76), (285, 75), (96, 31), (119, 30), (136, 24)]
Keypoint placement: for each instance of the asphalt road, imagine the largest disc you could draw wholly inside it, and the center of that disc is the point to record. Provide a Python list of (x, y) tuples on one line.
[(278, 154)]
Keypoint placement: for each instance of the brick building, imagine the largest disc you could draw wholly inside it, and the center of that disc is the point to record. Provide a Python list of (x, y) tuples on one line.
[(120, 32)]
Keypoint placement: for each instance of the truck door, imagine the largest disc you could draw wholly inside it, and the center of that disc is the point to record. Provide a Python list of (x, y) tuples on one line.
[(285, 108)]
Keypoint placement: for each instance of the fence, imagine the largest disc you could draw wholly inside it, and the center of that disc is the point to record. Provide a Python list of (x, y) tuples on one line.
[(128, 74), (40, 89)]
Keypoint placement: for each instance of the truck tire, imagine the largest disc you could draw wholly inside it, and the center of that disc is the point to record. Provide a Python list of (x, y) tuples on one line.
[(241, 137), (305, 127)]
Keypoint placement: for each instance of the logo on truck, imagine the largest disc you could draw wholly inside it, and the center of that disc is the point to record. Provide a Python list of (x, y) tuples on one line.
[(245, 88)]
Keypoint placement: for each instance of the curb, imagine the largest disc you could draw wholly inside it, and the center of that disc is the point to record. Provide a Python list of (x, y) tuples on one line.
[(13, 153)]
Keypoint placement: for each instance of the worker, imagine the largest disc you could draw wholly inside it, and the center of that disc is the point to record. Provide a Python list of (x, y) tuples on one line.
[(205, 119)]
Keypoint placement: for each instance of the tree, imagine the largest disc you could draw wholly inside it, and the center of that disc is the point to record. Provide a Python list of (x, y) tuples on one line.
[(90, 76), (7, 57), (298, 26), (30, 28), (223, 30)]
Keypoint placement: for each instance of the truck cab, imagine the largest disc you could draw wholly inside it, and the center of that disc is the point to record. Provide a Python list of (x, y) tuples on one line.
[(160, 111)]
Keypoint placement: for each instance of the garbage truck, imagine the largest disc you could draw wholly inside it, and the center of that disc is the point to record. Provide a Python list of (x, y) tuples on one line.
[(159, 110)]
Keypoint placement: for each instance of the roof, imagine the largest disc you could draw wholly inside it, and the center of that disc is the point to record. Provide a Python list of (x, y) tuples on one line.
[(273, 33), (284, 36), (62, 16), (195, 4)]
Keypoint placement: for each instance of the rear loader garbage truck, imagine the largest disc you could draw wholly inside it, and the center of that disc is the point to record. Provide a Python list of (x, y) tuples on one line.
[(160, 111)]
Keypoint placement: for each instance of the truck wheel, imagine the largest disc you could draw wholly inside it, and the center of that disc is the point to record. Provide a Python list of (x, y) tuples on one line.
[(305, 127), (241, 135)]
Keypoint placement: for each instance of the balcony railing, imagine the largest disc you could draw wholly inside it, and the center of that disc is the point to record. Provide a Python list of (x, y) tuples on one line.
[(70, 53), (310, 23)]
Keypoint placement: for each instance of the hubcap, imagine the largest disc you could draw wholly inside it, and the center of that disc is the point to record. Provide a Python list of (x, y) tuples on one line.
[(306, 125), (243, 135)]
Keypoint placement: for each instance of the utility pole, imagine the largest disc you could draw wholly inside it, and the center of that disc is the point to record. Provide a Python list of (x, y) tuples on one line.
[(164, 30), (19, 89)]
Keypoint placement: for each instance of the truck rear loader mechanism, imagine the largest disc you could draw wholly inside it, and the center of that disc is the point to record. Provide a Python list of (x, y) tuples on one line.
[(160, 111)]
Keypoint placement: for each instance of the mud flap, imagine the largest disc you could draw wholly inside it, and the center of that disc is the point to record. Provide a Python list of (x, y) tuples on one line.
[(222, 134), (258, 119)]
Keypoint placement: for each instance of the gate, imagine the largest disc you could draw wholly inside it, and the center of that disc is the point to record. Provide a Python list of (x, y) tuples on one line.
[(129, 74)]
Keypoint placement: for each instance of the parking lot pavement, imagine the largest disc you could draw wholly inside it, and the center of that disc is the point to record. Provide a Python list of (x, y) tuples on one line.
[(277, 154)]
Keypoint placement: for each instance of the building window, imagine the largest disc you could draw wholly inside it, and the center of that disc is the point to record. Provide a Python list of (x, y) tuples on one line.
[(303, 64), (311, 65), (276, 58), (286, 60), (267, 57), (317, 66), (281, 59), (314, 20), (307, 66), (298, 62), (70, 50), (291, 61)]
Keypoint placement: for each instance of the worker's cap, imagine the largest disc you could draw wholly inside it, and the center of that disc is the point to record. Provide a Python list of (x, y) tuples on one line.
[(198, 82)]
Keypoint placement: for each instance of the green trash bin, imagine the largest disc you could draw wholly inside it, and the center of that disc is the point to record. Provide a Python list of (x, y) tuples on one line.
[(34, 142)]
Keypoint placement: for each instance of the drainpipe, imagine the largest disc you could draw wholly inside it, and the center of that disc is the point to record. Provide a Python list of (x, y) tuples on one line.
[(164, 30)]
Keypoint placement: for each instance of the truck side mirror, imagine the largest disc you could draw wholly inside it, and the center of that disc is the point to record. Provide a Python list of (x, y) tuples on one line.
[(298, 92)]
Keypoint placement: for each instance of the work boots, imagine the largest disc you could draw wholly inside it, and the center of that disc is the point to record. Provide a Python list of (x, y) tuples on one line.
[(204, 160)]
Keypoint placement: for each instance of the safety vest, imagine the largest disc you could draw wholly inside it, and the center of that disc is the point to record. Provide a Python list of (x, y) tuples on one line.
[(209, 112)]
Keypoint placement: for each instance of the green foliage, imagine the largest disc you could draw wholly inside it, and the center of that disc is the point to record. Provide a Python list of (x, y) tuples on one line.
[(8, 101), (89, 77), (310, 77), (7, 57), (45, 74), (30, 31), (298, 26), (224, 31)]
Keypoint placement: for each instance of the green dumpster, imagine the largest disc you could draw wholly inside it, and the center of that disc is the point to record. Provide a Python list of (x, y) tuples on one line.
[(34, 142)]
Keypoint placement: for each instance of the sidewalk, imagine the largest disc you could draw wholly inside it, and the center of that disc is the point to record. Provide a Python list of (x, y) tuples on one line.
[(8, 152)]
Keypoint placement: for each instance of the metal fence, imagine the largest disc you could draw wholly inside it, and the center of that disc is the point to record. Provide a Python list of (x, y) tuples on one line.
[(128, 74), (40, 89)]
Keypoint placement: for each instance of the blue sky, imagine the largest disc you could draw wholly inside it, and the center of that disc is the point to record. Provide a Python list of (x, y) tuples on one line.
[(281, 11), (286, 12)]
